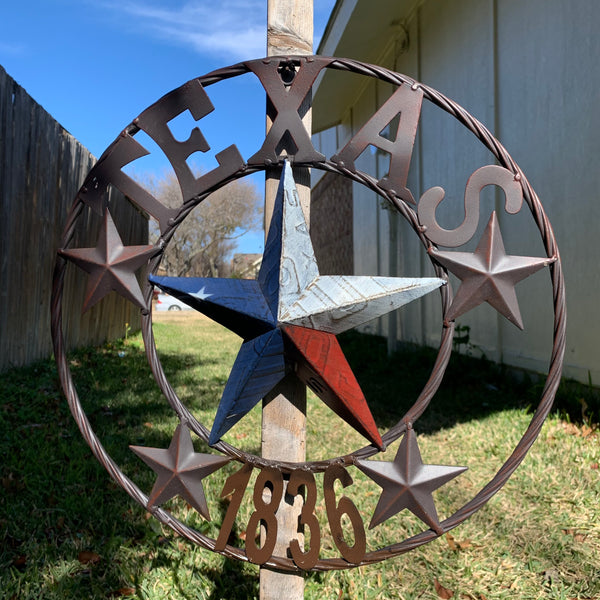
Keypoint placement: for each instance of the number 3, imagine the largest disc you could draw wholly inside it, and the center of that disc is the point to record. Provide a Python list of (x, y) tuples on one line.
[(306, 560)]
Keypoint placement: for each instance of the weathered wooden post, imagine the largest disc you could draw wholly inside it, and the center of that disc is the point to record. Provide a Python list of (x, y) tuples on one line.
[(289, 31)]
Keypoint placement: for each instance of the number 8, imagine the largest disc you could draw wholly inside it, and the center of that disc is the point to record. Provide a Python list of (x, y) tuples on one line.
[(265, 513)]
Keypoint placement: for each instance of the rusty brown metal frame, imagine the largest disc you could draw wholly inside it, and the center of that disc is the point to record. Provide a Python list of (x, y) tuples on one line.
[(296, 76)]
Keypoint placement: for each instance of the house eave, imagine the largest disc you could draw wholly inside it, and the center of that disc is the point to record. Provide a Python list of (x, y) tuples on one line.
[(359, 30)]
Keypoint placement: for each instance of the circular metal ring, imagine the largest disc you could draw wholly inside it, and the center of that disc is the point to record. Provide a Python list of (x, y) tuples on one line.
[(427, 393)]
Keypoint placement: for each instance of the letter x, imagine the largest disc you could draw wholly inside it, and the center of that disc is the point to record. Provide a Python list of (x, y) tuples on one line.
[(286, 100)]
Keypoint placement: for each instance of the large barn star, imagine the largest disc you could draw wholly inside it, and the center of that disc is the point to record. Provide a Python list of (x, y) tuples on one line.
[(288, 319), (488, 275), (180, 471), (407, 483), (110, 265)]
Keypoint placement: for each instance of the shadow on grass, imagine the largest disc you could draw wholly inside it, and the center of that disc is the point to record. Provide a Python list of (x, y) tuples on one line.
[(231, 582), (56, 501), (54, 498), (472, 388), (98, 374)]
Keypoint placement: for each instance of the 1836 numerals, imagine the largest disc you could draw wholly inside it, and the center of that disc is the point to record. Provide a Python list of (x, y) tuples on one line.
[(265, 507)]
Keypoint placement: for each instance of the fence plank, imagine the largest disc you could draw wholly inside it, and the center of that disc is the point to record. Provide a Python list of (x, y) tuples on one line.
[(41, 168)]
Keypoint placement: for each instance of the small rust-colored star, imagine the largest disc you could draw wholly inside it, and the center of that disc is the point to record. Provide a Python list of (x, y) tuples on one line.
[(407, 483), (488, 275), (180, 470), (110, 265)]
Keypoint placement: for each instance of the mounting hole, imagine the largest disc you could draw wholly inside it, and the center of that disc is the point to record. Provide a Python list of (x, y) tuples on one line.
[(287, 71)]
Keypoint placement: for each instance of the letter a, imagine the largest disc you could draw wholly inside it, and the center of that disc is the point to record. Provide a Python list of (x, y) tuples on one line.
[(405, 103)]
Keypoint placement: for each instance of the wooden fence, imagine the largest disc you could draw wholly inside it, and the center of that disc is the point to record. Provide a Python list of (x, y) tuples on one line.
[(41, 168)]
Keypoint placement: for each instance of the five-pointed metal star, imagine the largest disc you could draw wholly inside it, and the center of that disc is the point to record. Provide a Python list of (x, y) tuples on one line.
[(111, 266), (180, 470), (407, 483), (488, 275), (288, 319)]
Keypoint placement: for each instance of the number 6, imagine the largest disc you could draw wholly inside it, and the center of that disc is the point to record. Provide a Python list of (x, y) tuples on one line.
[(353, 554)]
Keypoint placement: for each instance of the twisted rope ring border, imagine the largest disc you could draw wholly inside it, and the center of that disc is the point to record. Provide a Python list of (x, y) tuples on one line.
[(518, 454)]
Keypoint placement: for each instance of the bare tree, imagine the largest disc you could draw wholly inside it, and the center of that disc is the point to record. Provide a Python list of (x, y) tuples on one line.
[(204, 242)]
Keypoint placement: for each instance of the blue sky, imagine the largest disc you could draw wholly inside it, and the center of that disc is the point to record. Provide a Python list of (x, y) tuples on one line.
[(94, 65)]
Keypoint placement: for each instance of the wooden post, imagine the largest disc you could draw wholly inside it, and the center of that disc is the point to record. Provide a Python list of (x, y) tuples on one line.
[(289, 31)]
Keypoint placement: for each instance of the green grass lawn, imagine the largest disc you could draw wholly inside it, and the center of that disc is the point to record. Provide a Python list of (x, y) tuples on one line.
[(69, 532)]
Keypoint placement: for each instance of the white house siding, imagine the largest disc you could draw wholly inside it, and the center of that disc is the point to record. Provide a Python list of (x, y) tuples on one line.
[(528, 70), (455, 58), (549, 111)]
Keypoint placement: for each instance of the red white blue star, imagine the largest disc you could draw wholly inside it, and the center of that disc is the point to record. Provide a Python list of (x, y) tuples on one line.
[(288, 319)]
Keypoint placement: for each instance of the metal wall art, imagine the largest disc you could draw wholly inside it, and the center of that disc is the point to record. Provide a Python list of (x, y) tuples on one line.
[(289, 317)]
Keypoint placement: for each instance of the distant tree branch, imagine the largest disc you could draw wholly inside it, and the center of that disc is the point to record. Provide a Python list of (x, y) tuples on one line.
[(204, 241)]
